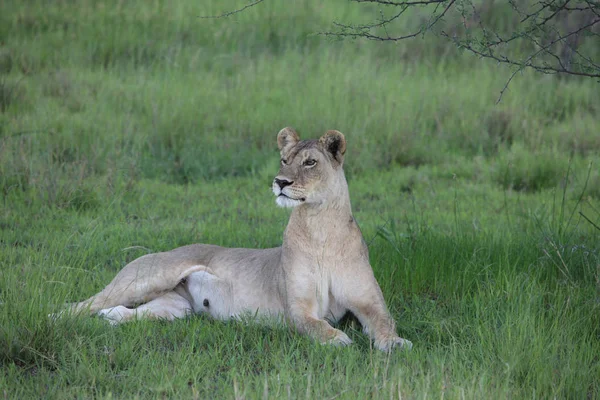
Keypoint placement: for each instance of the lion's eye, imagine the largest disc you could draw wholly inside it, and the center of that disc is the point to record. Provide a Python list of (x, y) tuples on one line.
[(283, 161), (310, 162)]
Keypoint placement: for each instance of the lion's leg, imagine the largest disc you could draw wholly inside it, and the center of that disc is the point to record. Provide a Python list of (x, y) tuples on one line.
[(101, 300), (362, 295), (321, 330), (375, 318), (169, 306), (91, 305), (140, 281), (302, 311)]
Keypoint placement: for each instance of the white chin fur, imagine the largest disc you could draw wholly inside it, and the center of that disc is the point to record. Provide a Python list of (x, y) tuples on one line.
[(283, 201)]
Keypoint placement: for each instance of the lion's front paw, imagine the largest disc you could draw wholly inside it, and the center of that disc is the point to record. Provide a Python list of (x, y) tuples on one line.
[(116, 315), (339, 339), (388, 343)]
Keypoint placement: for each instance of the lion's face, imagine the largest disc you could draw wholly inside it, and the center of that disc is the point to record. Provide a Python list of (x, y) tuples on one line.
[(308, 168)]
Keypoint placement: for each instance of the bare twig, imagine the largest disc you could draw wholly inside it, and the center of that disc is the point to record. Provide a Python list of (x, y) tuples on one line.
[(528, 62), (510, 78), (402, 3), (229, 13), (546, 38), (364, 31)]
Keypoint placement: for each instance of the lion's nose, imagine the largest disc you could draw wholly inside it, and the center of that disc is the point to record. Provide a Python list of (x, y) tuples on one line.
[(283, 183)]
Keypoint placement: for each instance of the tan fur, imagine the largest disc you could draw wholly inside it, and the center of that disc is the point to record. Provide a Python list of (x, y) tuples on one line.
[(320, 272)]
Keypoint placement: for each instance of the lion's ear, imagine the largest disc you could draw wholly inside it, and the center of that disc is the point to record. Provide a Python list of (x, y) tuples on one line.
[(335, 143), (287, 137)]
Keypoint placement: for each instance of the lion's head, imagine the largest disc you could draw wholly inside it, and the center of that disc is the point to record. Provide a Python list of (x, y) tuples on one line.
[(309, 169)]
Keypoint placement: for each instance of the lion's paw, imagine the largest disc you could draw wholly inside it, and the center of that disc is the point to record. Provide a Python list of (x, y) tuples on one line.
[(388, 343), (339, 339), (115, 315)]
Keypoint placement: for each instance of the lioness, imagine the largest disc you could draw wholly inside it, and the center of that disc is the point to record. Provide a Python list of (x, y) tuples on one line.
[(320, 272)]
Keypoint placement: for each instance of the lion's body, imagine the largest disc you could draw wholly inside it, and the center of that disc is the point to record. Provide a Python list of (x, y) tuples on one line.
[(320, 273)]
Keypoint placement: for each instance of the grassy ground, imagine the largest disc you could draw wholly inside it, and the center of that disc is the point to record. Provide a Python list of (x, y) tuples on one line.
[(130, 127)]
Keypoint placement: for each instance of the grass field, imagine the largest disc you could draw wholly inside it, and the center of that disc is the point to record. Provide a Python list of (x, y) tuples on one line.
[(135, 127)]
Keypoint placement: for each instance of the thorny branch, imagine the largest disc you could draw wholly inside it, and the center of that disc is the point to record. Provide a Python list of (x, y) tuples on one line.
[(488, 52), (548, 36), (364, 31)]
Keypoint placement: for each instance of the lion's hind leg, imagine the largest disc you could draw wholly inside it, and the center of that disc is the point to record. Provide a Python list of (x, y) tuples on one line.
[(140, 281), (169, 306)]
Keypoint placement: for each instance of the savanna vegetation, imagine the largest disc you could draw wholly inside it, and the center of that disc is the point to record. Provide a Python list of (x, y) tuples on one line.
[(134, 127)]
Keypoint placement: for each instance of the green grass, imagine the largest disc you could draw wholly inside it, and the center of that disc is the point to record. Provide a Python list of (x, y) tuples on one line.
[(130, 127)]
